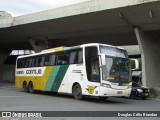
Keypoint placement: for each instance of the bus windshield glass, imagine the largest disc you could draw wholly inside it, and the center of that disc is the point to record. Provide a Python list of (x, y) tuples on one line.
[(113, 52), (117, 65)]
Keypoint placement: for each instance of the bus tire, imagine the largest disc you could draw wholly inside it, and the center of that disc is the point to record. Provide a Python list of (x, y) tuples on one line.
[(31, 87), (25, 87), (77, 92)]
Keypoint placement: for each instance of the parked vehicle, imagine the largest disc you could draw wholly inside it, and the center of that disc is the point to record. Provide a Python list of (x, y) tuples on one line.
[(136, 70), (139, 91)]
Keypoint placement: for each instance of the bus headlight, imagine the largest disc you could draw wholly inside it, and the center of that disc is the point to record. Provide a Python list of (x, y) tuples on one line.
[(106, 85)]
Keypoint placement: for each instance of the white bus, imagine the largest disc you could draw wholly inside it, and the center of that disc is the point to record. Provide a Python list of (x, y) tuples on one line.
[(86, 70)]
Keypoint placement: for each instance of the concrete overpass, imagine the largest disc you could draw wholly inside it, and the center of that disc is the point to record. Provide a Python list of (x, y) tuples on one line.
[(117, 22)]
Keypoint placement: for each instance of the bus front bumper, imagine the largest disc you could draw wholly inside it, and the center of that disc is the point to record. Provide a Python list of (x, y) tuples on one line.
[(114, 92)]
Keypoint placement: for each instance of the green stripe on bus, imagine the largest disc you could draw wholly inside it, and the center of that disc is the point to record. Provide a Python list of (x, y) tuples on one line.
[(59, 77), (52, 77)]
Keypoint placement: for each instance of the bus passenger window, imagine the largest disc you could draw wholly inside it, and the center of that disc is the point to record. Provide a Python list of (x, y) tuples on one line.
[(47, 62), (63, 58), (36, 62), (80, 57), (40, 61), (52, 59), (20, 63), (30, 62), (73, 57), (25, 63)]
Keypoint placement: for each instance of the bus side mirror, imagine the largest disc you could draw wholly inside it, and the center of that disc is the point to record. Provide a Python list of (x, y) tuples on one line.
[(103, 59)]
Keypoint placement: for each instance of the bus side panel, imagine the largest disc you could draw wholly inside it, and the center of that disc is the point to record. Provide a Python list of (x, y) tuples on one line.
[(56, 77), (74, 75), (39, 81), (18, 82), (21, 79), (77, 74), (51, 78)]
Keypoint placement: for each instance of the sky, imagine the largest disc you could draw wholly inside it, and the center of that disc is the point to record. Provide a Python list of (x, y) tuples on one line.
[(22, 7)]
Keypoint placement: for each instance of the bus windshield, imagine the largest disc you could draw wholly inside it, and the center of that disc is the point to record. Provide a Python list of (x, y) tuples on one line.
[(117, 65), (113, 52)]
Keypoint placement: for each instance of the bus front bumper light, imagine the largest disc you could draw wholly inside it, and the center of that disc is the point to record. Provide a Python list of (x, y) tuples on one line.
[(106, 85)]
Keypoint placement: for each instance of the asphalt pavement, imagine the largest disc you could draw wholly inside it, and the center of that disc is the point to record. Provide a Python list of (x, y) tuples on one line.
[(13, 99)]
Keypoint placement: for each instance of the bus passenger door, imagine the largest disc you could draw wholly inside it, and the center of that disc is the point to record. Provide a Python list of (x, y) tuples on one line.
[(92, 71)]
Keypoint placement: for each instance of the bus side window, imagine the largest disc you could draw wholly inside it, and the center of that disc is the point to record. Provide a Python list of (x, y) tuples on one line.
[(20, 63), (63, 58), (31, 62), (80, 57), (40, 61), (25, 63), (36, 62), (47, 62), (52, 59), (75, 57)]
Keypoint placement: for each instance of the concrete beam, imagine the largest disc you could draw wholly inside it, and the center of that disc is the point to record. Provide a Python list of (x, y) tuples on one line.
[(77, 9), (6, 19), (37, 48), (149, 48)]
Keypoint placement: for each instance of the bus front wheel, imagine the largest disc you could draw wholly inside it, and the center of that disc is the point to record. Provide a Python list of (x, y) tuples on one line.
[(77, 92)]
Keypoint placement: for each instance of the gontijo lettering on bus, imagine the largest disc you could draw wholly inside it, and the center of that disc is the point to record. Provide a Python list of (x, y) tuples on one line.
[(30, 72)]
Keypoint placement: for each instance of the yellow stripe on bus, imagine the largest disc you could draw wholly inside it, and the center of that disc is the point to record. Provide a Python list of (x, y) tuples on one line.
[(39, 82)]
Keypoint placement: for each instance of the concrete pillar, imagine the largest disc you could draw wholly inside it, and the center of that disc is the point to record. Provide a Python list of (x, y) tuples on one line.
[(6, 71), (37, 48), (149, 48), (3, 57)]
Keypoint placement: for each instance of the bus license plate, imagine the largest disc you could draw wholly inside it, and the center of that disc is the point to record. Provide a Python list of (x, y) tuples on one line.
[(119, 92)]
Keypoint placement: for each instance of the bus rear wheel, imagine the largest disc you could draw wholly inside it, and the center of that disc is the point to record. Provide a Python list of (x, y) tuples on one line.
[(31, 88), (25, 88), (77, 92)]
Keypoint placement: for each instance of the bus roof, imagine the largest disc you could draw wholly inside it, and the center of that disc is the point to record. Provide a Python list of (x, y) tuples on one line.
[(94, 44), (63, 48)]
